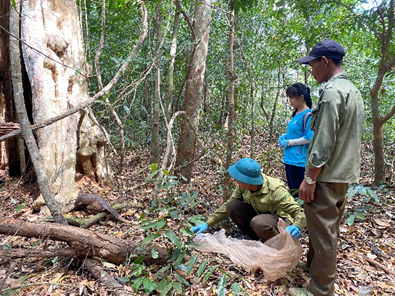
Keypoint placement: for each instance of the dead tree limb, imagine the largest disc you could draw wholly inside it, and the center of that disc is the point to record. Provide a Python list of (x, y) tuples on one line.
[(102, 276), (377, 264), (85, 243), (28, 253)]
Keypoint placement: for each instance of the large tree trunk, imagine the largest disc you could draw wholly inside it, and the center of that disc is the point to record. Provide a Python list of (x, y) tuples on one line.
[(54, 58), (17, 86), (8, 159), (194, 88)]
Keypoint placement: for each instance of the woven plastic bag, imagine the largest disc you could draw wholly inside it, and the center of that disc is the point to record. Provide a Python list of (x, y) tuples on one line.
[(275, 257)]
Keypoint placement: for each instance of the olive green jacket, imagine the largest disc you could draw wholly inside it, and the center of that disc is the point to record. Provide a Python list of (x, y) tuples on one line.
[(337, 124), (271, 198)]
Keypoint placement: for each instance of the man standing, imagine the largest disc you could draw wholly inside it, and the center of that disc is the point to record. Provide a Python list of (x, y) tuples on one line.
[(333, 162)]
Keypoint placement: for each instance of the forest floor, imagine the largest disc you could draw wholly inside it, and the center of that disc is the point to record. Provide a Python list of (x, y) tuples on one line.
[(366, 248)]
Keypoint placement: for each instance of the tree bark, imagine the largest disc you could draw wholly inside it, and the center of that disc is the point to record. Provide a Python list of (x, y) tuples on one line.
[(170, 75), (52, 51), (9, 158), (194, 89), (387, 61), (231, 110), (84, 242), (275, 105), (155, 139), (31, 144)]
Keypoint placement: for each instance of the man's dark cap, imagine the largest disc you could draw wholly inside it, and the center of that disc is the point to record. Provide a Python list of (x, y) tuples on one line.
[(328, 48)]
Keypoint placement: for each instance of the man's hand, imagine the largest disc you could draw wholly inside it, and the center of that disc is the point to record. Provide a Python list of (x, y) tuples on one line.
[(306, 192), (200, 228), (294, 231)]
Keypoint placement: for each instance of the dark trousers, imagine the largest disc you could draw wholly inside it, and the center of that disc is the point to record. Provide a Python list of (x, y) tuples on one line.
[(295, 176), (323, 219), (255, 226)]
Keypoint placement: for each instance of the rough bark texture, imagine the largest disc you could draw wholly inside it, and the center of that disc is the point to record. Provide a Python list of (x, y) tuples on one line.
[(54, 57), (8, 160), (16, 71), (194, 88), (84, 242), (230, 134)]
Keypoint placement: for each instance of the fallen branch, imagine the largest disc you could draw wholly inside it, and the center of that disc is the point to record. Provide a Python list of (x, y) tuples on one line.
[(85, 243), (103, 277), (27, 253), (377, 264)]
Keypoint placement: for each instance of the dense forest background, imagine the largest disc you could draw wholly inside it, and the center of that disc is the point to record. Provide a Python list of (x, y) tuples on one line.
[(147, 103), (268, 37)]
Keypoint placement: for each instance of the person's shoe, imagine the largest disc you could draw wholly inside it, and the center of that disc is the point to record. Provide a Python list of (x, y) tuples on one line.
[(299, 292)]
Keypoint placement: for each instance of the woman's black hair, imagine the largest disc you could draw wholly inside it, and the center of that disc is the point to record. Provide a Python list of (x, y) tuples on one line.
[(298, 89)]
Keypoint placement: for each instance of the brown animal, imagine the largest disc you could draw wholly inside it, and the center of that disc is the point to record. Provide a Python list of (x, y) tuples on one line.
[(97, 203)]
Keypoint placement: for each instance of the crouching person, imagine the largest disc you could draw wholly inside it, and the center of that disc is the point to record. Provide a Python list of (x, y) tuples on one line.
[(257, 203)]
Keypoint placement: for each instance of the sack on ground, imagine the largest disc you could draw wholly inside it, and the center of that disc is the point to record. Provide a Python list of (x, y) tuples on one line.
[(275, 257)]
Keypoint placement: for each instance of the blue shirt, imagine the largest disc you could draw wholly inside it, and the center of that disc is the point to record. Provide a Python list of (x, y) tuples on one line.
[(296, 155)]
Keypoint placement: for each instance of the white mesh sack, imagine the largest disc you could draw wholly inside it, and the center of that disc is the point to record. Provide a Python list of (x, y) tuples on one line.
[(275, 257)]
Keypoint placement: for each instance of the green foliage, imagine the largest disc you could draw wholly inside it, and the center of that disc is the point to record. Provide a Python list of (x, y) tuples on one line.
[(361, 211), (20, 207)]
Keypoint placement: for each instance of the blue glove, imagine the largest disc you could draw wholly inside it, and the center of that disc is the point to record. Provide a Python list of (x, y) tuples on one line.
[(200, 228), (294, 231), (282, 140)]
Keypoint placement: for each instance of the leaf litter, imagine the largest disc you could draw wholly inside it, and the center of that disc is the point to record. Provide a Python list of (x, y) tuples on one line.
[(365, 249)]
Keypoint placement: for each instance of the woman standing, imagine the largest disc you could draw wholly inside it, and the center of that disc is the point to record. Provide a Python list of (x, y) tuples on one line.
[(295, 141)]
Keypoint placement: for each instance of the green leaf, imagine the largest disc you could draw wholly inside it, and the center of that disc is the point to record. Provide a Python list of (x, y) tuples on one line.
[(236, 288), (166, 290), (192, 263), (222, 286), (161, 223), (123, 280), (161, 286), (179, 258), (150, 176), (158, 224), (23, 279), (154, 254), (360, 216), (201, 268), (149, 239), (20, 207), (176, 286), (166, 172), (350, 220), (373, 194), (149, 285), (181, 279), (163, 269), (14, 5), (137, 283), (208, 273), (173, 238), (139, 259), (154, 166), (77, 72)]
